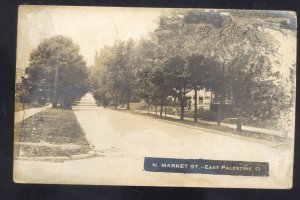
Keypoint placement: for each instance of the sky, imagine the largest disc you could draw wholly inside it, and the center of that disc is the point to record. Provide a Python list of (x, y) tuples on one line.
[(89, 27), (93, 27)]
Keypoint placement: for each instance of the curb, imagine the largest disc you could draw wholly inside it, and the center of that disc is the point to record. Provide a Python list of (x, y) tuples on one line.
[(91, 154)]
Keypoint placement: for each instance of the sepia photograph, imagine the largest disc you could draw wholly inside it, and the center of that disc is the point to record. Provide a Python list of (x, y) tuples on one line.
[(174, 97)]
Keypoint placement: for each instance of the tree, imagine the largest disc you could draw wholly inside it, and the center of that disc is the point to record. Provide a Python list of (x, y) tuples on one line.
[(246, 50), (179, 79), (121, 71), (23, 90), (170, 35), (202, 74), (147, 57), (57, 63), (159, 77), (222, 51), (98, 80)]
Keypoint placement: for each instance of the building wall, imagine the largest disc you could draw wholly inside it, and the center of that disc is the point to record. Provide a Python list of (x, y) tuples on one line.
[(204, 97)]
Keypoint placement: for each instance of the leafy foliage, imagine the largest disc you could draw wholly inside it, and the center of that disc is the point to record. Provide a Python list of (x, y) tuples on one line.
[(222, 51), (56, 72)]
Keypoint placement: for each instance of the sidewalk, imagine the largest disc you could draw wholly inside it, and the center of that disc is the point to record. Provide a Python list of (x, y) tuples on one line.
[(233, 126), (24, 114)]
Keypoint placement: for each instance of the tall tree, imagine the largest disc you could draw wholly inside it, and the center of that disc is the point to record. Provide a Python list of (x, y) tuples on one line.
[(98, 79), (148, 54), (179, 79), (201, 75), (247, 51), (159, 78), (171, 37), (121, 71), (58, 64)]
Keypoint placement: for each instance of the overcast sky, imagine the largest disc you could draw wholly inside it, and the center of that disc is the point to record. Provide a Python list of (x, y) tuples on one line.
[(89, 27)]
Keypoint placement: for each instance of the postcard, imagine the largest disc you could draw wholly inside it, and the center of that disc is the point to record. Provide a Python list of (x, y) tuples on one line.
[(155, 97)]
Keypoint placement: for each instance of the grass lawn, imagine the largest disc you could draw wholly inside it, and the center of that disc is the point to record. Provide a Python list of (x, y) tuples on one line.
[(54, 132)]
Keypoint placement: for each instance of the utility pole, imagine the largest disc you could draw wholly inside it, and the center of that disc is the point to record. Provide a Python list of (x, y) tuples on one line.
[(54, 100)]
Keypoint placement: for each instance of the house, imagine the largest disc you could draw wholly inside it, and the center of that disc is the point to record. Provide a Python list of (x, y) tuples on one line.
[(204, 99), (208, 100)]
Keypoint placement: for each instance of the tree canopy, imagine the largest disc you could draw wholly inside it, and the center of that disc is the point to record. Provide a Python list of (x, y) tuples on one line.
[(56, 72), (223, 51)]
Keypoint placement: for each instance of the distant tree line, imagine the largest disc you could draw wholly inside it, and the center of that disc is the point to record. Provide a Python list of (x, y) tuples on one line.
[(222, 51)]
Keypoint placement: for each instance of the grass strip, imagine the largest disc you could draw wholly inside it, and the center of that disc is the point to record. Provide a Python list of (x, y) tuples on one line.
[(51, 126)]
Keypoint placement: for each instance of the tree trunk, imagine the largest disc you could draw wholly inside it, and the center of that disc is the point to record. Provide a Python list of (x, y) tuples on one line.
[(195, 109), (155, 107), (220, 112), (239, 122), (165, 107), (128, 100), (148, 107), (116, 101), (54, 98), (182, 102), (23, 121), (161, 107), (103, 101), (42, 113), (175, 107)]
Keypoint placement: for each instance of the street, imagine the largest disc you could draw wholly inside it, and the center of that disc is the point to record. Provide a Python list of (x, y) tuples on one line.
[(122, 140)]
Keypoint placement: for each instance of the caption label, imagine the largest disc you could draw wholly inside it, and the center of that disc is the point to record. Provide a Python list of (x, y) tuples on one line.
[(201, 166)]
